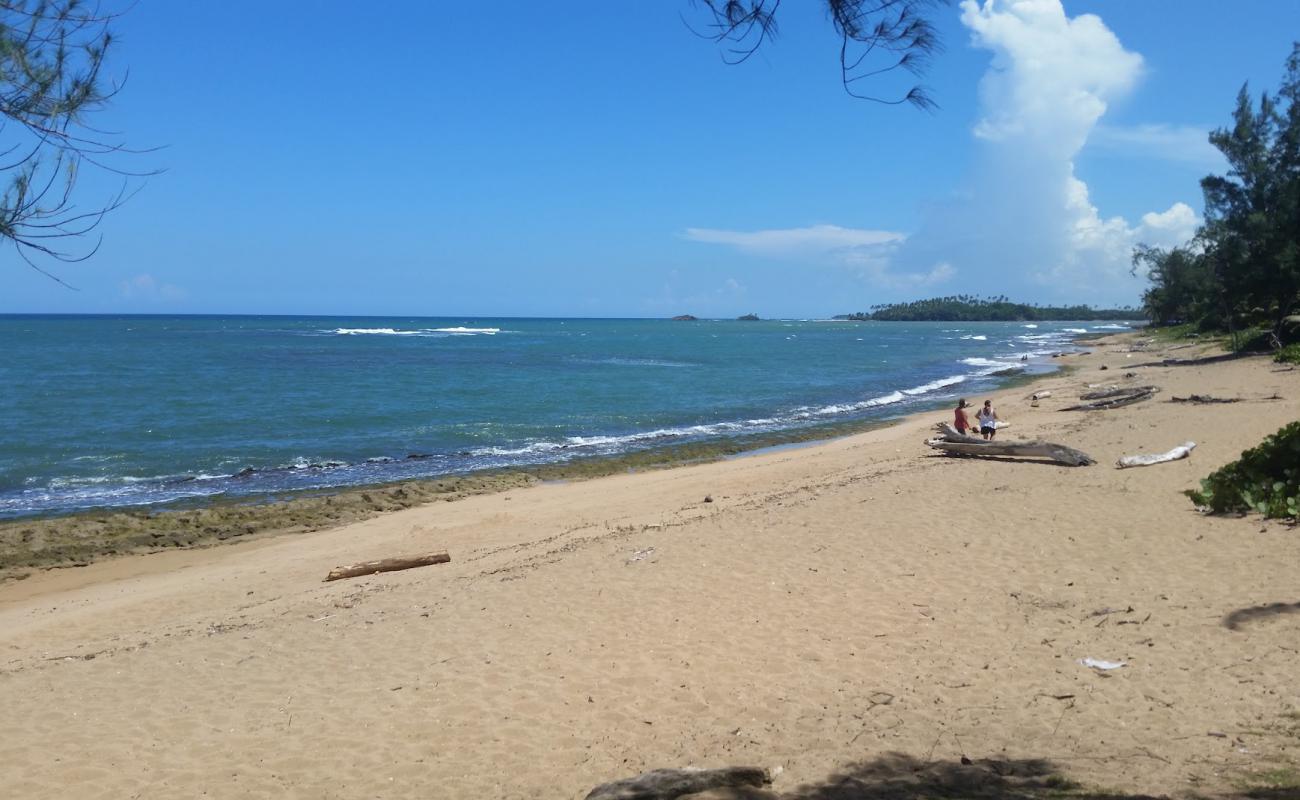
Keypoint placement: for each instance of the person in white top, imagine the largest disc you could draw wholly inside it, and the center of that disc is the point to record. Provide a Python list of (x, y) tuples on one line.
[(988, 419)]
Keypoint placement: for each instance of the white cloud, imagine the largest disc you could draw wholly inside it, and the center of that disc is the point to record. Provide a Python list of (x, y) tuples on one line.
[(1185, 144), (868, 253), (813, 240), (148, 288), (1027, 224), (1024, 224), (1051, 77)]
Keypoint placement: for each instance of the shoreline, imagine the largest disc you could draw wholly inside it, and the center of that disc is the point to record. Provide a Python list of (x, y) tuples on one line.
[(859, 609), (74, 539)]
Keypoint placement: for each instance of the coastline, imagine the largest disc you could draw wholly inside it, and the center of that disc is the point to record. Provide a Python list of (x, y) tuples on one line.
[(76, 539), (857, 610)]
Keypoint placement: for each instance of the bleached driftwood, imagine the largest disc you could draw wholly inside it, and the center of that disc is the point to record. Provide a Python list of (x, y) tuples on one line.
[(1116, 391), (1113, 398), (1181, 451), (669, 784), (386, 565), (954, 443)]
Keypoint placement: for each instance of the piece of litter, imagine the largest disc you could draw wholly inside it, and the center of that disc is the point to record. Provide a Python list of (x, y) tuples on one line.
[(1097, 663), (641, 554)]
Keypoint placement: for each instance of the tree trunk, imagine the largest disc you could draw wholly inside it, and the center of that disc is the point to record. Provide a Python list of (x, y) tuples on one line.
[(1053, 452), (387, 565), (1116, 400)]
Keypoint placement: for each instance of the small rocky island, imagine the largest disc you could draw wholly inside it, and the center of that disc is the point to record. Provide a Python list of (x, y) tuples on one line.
[(748, 318)]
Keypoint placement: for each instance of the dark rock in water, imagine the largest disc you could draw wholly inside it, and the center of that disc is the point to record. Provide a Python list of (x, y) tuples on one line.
[(417, 456), (244, 473), (1002, 373), (684, 318), (669, 784), (748, 318)]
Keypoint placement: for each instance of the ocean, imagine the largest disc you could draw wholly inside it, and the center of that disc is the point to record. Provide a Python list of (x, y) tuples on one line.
[(117, 411)]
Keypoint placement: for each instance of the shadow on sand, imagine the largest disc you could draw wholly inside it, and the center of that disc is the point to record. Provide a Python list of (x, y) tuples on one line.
[(896, 776), (1241, 616)]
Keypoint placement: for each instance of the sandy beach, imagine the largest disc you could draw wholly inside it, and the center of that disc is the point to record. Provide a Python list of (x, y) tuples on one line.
[(858, 616)]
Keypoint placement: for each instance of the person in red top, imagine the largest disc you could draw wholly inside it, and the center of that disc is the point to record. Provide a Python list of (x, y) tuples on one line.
[(960, 422)]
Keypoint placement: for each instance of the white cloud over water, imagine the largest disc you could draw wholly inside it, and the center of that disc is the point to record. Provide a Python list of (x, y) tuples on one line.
[(812, 240), (1022, 223), (868, 253), (147, 288), (1025, 225)]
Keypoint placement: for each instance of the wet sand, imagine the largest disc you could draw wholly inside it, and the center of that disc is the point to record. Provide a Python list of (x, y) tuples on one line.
[(862, 614)]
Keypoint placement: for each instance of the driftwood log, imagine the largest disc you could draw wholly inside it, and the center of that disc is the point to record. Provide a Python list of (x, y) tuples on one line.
[(1116, 391), (1202, 399), (1181, 451), (386, 565), (669, 784), (954, 443), (1113, 398)]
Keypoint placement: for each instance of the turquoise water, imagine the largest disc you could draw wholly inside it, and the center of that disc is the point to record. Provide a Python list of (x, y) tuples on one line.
[(119, 411)]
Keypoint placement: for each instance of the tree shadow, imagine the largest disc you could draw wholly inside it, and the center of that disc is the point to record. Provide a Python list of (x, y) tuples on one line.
[(1241, 616), (897, 776)]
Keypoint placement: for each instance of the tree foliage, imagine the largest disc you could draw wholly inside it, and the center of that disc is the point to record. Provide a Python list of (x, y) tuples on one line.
[(877, 37), (1243, 267), (966, 308), (52, 59), (1265, 479)]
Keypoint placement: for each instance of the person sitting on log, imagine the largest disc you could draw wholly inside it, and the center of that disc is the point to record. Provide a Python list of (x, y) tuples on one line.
[(960, 421)]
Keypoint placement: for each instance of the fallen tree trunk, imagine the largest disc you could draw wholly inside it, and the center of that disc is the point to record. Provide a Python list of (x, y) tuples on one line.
[(1181, 451), (1118, 392), (1058, 453), (386, 565), (1202, 399), (954, 443), (1116, 401)]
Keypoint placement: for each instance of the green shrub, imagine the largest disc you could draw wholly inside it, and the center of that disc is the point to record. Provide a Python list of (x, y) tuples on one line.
[(1265, 479), (1289, 354)]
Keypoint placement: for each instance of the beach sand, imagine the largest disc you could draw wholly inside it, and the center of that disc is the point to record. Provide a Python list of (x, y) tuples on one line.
[(861, 614)]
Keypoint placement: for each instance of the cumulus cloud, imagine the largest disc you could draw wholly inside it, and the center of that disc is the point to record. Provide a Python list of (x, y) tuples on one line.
[(1026, 223), (1023, 223)]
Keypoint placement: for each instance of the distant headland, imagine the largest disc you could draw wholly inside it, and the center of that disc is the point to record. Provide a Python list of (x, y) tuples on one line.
[(963, 308)]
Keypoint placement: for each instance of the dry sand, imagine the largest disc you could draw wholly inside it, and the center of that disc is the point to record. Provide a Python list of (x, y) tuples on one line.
[(857, 613)]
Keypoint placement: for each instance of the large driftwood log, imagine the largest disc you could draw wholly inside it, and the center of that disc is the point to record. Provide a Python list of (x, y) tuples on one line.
[(386, 565), (1181, 451), (1117, 391), (1202, 399), (952, 442), (669, 784), (1125, 398), (1053, 452)]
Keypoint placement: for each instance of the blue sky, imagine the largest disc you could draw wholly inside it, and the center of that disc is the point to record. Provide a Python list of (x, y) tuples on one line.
[(597, 159)]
